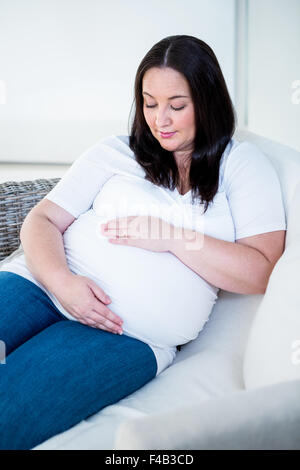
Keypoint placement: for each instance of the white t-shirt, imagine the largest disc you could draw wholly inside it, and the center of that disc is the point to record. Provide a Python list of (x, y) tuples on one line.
[(161, 301)]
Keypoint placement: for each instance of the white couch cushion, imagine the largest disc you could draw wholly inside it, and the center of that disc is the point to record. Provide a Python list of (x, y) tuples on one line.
[(266, 418), (273, 349), (19, 251)]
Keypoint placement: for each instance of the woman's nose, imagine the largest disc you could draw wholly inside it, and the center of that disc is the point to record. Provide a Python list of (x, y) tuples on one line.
[(162, 119)]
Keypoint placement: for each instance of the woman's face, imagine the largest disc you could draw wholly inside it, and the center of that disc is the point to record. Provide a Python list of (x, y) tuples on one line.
[(168, 107)]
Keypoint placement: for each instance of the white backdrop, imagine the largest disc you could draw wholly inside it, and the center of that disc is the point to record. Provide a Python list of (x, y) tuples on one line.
[(68, 66), (274, 70)]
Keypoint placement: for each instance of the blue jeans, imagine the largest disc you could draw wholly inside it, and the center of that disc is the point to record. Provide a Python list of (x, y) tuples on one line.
[(58, 371)]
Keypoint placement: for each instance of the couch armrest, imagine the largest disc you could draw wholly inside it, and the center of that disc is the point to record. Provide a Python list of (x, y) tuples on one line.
[(16, 200), (266, 418)]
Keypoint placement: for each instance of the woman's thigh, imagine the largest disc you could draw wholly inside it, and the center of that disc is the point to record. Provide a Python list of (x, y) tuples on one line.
[(64, 374), (25, 310)]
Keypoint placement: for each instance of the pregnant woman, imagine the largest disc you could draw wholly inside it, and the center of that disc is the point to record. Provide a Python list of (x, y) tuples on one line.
[(124, 257)]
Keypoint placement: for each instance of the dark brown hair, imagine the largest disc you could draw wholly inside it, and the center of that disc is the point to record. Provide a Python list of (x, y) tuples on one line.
[(214, 116)]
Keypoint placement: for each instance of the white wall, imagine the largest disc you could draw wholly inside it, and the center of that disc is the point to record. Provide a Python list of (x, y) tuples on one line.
[(273, 70), (68, 66)]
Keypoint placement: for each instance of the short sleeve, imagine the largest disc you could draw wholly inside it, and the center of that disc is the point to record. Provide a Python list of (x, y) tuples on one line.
[(253, 192), (81, 183)]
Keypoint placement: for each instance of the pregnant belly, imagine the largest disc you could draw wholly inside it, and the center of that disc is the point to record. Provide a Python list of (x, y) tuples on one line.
[(161, 301)]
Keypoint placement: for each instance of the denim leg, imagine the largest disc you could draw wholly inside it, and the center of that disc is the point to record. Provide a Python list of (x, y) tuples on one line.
[(64, 374), (25, 310)]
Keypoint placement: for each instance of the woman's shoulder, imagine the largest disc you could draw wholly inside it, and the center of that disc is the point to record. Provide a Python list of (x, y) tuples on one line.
[(110, 148), (246, 151), (241, 159), (244, 154), (245, 162), (115, 140), (114, 154)]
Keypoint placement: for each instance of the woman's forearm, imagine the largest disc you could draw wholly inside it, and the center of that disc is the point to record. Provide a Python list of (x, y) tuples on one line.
[(230, 266), (43, 247)]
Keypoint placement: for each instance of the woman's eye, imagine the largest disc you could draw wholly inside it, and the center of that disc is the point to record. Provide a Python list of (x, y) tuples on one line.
[(178, 109), (175, 109)]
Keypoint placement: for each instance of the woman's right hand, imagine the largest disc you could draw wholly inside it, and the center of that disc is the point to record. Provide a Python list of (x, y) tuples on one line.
[(86, 301)]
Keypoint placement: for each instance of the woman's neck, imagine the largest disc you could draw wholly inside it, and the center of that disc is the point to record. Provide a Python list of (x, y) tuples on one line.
[(184, 184), (183, 161)]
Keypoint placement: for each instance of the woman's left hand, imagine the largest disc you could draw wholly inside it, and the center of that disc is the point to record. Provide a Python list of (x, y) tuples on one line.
[(147, 232)]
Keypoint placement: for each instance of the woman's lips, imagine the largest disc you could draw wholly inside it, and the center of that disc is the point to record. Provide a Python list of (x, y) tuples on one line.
[(167, 135)]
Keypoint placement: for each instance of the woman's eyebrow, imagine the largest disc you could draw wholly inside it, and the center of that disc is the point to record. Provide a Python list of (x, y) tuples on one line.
[(172, 97)]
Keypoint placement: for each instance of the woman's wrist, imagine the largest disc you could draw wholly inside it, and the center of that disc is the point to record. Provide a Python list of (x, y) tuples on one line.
[(58, 279)]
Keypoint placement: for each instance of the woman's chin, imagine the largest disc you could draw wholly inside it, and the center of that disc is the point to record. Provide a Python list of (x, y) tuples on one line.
[(171, 146)]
